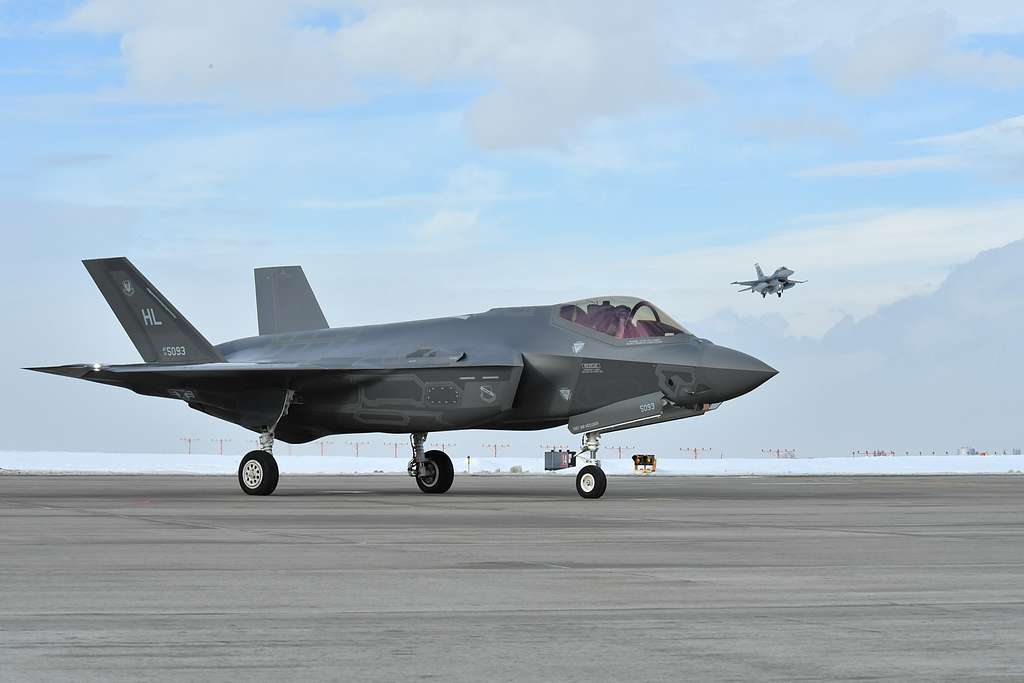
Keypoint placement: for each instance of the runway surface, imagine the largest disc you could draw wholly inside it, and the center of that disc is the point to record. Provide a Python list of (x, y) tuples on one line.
[(512, 578)]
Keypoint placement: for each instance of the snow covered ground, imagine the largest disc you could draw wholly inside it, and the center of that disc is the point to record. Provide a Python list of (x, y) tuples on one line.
[(148, 463)]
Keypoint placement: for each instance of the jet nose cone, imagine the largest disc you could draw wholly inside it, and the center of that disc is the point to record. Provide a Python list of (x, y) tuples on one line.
[(731, 373)]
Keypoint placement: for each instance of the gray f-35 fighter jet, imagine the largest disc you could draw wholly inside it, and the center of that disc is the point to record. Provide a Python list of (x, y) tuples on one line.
[(776, 283), (598, 366)]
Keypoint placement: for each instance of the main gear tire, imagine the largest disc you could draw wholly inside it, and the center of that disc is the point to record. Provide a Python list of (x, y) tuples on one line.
[(437, 473), (258, 473)]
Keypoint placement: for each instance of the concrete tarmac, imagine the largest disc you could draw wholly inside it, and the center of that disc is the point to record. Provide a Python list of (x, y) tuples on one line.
[(512, 578)]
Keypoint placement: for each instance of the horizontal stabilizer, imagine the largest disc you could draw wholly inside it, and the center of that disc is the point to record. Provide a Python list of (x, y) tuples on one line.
[(285, 301), (160, 333)]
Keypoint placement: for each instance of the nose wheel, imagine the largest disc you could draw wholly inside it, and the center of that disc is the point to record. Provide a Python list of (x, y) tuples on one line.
[(591, 482)]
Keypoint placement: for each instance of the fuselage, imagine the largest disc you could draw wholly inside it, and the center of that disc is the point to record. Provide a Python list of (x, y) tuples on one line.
[(509, 368)]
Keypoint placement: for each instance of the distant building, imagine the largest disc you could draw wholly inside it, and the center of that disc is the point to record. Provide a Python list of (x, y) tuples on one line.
[(1016, 451), (966, 450)]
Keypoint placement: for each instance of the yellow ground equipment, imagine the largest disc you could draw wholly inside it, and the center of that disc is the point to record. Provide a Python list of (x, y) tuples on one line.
[(644, 463)]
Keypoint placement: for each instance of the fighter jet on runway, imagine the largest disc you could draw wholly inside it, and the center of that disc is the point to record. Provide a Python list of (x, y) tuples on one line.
[(597, 365), (776, 283)]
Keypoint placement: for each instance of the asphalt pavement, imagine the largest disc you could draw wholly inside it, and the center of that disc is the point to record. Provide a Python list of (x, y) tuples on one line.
[(512, 578)]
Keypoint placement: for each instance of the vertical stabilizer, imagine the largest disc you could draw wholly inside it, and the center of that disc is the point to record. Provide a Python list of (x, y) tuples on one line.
[(158, 330), (760, 273), (285, 301)]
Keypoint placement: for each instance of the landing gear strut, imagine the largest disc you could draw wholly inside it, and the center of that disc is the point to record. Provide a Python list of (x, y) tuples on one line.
[(433, 470), (258, 473), (591, 481)]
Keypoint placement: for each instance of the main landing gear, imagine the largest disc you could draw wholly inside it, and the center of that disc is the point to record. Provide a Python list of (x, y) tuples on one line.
[(433, 470), (591, 481), (258, 473)]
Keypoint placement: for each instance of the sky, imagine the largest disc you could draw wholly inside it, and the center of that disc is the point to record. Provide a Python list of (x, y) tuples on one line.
[(429, 159)]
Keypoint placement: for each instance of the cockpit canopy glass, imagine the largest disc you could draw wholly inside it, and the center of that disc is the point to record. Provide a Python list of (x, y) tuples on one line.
[(621, 317)]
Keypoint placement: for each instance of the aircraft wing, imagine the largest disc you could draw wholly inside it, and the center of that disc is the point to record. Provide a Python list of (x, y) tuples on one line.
[(220, 384), (747, 283), (253, 394), (118, 374)]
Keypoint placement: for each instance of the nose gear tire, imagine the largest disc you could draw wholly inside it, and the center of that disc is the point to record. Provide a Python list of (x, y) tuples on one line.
[(591, 482)]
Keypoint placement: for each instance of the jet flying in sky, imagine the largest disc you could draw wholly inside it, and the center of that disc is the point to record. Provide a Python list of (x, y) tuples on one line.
[(776, 283), (596, 365)]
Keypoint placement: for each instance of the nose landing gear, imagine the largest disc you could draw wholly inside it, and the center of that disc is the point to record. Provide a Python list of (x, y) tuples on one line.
[(591, 481)]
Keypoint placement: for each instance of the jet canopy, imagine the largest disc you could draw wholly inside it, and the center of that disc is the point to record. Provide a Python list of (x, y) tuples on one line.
[(621, 317)]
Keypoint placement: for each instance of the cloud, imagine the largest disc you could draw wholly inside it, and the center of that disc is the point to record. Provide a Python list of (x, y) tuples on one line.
[(994, 148), (929, 372), (552, 67), (997, 147), (810, 125), (884, 167), (856, 263), (469, 184), (994, 70), (999, 133), (449, 225), (535, 73), (878, 58), (295, 164), (83, 159), (915, 45)]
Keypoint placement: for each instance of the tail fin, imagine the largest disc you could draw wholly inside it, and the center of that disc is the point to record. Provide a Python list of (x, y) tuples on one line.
[(158, 330), (285, 301), (760, 273)]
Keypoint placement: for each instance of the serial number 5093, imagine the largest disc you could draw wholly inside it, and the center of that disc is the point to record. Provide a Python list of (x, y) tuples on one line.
[(174, 351)]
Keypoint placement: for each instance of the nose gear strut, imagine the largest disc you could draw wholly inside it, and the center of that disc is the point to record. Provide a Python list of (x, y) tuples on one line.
[(591, 481)]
